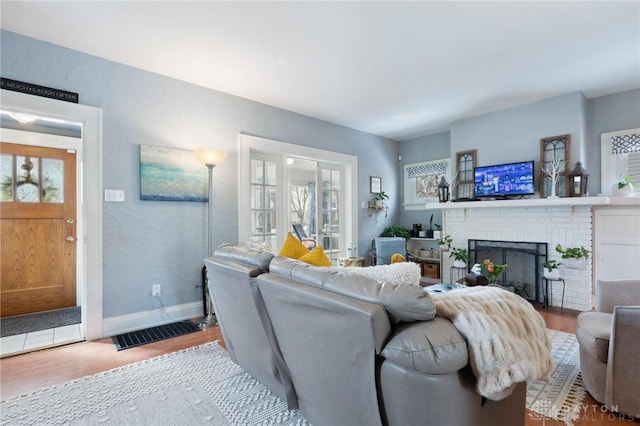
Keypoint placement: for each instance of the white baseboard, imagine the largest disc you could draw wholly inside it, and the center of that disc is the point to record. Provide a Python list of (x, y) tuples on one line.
[(145, 319)]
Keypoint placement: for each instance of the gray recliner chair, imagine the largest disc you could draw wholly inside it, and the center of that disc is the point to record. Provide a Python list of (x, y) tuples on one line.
[(247, 334), (609, 341)]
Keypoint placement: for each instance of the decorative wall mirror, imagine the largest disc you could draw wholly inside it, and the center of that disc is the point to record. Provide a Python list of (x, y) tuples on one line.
[(463, 180), (554, 154)]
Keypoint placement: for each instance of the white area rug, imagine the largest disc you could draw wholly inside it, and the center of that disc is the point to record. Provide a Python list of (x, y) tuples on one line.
[(196, 386), (201, 385), (561, 398)]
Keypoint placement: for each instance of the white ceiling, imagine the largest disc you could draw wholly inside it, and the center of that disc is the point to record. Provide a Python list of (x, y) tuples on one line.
[(395, 69)]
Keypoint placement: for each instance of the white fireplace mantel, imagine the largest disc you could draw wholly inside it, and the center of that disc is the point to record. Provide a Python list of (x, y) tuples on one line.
[(537, 202)]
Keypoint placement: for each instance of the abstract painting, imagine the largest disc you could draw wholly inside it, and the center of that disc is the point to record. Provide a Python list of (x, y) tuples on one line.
[(169, 174)]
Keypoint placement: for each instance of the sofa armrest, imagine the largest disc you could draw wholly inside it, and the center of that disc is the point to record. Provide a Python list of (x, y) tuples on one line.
[(621, 392), (610, 293), (431, 347)]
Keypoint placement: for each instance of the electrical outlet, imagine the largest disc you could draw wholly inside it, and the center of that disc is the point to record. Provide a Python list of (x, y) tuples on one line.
[(155, 290)]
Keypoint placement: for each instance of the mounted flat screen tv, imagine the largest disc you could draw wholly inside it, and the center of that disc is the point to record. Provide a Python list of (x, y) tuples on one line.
[(504, 180)]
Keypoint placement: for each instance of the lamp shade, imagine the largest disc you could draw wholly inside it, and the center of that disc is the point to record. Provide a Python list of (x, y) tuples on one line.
[(211, 156)]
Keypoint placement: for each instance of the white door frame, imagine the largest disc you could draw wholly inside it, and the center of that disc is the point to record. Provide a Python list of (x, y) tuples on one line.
[(248, 143), (90, 194)]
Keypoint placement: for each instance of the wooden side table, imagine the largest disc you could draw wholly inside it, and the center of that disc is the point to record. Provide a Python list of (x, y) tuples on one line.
[(351, 261)]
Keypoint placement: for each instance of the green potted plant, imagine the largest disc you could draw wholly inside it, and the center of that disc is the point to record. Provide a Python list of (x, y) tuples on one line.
[(624, 187), (573, 257), (396, 231), (551, 271), (445, 242), (380, 198), (460, 257)]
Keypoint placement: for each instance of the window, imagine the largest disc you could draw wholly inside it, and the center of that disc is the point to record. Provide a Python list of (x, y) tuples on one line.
[(554, 149), (284, 184), (620, 156), (463, 185)]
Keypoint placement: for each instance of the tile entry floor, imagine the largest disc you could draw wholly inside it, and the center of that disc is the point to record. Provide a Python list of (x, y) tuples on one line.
[(20, 343)]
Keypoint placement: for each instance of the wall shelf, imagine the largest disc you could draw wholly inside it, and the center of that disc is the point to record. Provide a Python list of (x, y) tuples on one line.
[(378, 209), (538, 202)]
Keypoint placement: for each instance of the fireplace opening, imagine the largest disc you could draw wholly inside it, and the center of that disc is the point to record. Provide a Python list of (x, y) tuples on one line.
[(524, 274)]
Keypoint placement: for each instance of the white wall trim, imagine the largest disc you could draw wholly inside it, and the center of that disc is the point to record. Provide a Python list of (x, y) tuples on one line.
[(90, 199), (152, 318)]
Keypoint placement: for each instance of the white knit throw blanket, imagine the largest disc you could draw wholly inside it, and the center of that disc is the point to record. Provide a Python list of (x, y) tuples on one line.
[(507, 338)]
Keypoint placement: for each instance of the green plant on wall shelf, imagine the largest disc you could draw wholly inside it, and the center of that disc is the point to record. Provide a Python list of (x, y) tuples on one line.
[(381, 196), (573, 252)]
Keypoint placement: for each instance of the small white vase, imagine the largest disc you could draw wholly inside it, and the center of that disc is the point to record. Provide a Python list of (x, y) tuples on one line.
[(552, 274), (626, 191), (459, 264)]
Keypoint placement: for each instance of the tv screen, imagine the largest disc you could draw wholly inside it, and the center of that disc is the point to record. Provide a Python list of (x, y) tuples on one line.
[(504, 180)]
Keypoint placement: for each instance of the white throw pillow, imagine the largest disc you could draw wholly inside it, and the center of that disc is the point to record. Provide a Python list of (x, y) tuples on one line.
[(396, 273)]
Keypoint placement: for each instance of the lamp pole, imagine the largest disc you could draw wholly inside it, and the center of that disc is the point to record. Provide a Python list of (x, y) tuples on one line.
[(209, 316), (210, 158)]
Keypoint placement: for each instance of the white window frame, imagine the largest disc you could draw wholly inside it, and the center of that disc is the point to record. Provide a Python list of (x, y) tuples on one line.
[(411, 200), (608, 173), (249, 143)]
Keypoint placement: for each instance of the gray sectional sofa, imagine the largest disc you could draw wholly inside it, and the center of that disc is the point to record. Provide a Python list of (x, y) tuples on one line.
[(345, 349)]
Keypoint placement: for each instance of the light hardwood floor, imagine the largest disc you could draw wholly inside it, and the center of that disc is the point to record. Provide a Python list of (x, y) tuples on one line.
[(22, 374)]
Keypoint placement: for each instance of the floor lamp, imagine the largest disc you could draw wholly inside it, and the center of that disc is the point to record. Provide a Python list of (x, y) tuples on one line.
[(211, 158)]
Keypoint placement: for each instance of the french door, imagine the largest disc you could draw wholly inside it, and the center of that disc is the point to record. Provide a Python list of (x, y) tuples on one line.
[(283, 184)]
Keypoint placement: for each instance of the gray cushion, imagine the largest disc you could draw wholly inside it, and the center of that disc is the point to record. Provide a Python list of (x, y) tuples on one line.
[(593, 331), (433, 347), (403, 302), (245, 256)]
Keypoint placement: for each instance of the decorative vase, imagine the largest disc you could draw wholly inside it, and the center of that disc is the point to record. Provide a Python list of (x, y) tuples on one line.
[(459, 264), (351, 252), (552, 274), (625, 191)]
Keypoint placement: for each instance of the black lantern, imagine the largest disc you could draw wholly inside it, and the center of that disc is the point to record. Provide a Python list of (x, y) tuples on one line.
[(443, 191), (577, 181)]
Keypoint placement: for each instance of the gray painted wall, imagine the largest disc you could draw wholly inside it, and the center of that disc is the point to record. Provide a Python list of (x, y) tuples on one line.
[(164, 242), (605, 114), (427, 148), (514, 134)]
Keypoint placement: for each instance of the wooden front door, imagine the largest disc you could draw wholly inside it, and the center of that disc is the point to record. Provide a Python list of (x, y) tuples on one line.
[(37, 229)]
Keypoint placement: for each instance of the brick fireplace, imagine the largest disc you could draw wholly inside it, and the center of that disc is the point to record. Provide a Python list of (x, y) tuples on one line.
[(566, 225)]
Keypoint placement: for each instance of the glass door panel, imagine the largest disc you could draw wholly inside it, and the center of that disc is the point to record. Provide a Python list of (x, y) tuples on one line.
[(331, 214), (264, 200)]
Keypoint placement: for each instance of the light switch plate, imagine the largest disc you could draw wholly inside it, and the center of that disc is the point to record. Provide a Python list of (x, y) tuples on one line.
[(114, 195)]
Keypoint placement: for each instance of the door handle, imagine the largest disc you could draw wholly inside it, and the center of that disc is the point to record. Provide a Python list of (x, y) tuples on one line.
[(70, 239)]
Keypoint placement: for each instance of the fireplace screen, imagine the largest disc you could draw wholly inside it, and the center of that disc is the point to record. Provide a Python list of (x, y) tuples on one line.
[(524, 273)]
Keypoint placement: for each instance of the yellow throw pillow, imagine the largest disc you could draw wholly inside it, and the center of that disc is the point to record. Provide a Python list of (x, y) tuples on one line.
[(293, 248), (316, 257), (397, 258)]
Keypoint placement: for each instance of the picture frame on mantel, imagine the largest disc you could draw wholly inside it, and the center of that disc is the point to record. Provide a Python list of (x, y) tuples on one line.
[(560, 147), (375, 184)]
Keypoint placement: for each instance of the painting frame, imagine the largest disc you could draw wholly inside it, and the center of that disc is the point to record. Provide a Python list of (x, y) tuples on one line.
[(172, 174), (375, 184)]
